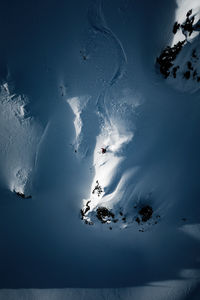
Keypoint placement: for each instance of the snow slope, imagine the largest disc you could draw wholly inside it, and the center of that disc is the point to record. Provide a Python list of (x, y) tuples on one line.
[(123, 224), (20, 136)]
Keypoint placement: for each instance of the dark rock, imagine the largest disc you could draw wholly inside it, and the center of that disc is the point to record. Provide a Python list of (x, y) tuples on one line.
[(97, 188), (189, 13), (103, 214), (137, 220), (176, 27), (82, 214), (87, 207), (146, 213), (187, 26), (194, 74), (189, 64), (23, 195), (186, 75), (166, 58), (174, 70)]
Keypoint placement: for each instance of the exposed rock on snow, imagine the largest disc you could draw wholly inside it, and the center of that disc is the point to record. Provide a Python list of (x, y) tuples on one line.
[(179, 62), (23, 195), (146, 213), (165, 60), (104, 215)]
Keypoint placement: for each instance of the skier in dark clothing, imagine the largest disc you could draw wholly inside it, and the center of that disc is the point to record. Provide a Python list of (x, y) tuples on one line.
[(103, 150)]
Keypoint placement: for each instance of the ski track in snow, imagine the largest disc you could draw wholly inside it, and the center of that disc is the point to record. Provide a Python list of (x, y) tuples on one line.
[(113, 135), (98, 23)]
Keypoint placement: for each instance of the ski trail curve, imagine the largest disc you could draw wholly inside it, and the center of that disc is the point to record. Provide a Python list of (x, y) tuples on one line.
[(106, 188), (98, 23)]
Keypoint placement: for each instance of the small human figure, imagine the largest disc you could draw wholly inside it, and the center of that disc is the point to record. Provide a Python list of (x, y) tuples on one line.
[(103, 150)]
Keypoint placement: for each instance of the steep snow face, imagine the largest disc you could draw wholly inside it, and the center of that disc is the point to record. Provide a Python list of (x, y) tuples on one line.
[(116, 197), (111, 198), (183, 7), (20, 135), (179, 62), (78, 105), (116, 128), (106, 164)]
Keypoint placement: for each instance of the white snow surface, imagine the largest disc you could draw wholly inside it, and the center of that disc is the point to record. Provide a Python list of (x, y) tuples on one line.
[(20, 135), (97, 87), (183, 6)]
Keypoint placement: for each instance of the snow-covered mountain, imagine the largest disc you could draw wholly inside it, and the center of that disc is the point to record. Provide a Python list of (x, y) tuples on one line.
[(99, 151)]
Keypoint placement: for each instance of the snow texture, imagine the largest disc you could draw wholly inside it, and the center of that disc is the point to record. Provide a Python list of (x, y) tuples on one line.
[(99, 150)]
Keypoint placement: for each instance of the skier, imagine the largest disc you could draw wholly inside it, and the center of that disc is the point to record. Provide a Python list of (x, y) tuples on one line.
[(103, 150)]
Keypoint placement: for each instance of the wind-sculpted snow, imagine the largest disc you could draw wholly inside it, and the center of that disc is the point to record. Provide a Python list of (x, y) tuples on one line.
[(20, 135)]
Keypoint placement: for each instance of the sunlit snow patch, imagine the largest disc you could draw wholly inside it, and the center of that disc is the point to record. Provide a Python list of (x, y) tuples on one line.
[(19, 135), (179, 62), (183, 7), (114, 192), (106, 190), (78, 105)]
